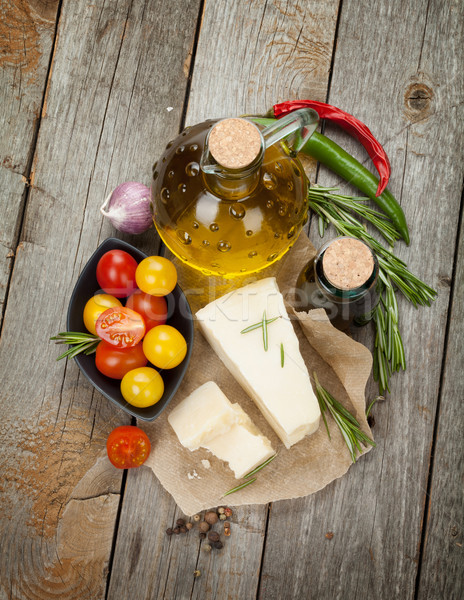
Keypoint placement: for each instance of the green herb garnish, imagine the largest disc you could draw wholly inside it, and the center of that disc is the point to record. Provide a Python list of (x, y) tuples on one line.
[(263, 324), (261, 466), (265, 331), (346, 422), (282, 356), (342, 211), (239, 487), (258, 325), (250, 474), (81, 343)]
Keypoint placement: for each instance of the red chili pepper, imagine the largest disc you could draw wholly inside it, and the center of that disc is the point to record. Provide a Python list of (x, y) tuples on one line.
[(351, 124)]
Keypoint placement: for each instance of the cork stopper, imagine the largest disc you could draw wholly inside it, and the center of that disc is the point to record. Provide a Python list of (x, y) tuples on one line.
[(234, 143), (347, 263)]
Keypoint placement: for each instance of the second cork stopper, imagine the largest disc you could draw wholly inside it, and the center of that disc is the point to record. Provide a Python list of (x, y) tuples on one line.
[(234, 143), (347, 263)]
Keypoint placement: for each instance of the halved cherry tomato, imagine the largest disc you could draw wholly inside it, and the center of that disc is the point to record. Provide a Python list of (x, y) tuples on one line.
[(142, 387), (156, 275), (116, 362), (153, 309), (116, 273), (128, 447), (95, 307), (165, 347), (121, 327)]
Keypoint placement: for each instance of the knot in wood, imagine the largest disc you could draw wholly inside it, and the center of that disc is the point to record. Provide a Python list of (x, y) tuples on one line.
[(418, 101)]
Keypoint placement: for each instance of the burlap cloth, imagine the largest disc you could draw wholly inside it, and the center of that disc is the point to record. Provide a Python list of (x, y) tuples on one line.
[(342, 366)]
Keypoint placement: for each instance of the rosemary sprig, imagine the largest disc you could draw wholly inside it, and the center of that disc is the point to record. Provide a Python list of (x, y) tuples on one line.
[(282, 356), (346, 422), (250, 474), (339, 211), (258, 325), (81, 343), (239, 487), (263, 324), (265, 341)]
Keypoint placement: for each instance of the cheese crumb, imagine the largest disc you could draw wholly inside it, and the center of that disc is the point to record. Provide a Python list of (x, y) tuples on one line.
[(205, 462), (169, 108), (193, 475)]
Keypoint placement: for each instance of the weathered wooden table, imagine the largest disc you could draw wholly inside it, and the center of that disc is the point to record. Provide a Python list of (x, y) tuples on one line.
[(90, 94)]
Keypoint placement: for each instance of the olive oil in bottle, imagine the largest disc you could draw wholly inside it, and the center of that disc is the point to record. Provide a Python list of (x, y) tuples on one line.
[(224, 202)]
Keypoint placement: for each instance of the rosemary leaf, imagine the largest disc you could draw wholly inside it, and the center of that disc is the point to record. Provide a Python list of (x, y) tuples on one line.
[(264, 325), (259, 325), (282, 356), (261, 466), (239, 487)]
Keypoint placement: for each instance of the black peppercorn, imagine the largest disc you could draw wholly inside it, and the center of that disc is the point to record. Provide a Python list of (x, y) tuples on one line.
[(183, 529), (169, 531), (218, 545), (202, 536), (176, 530), (213, 536), (180, 522)]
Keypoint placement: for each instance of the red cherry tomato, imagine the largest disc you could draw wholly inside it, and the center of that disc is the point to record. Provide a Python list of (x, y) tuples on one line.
[(116, 362), (116, 273), (127, 447), (153, 309), (121, 327)]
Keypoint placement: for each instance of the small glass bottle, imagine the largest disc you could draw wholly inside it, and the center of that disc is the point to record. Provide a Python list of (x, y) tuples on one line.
[(342, 278)]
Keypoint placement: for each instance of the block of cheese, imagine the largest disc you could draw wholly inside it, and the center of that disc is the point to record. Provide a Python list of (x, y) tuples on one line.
[(283, 394), (209, 420)]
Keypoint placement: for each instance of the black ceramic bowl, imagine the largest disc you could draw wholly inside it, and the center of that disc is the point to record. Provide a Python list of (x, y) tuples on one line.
[(179, 316)]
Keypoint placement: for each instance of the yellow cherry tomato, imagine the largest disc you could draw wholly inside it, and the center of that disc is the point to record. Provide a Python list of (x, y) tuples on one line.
[(164, 346), (142, 387), (156, 275), (95, 307)]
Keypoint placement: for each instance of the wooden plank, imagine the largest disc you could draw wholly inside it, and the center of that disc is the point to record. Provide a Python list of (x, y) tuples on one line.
[(160, 566), (26, 38), (441, 571), (249, 55), (375, 512), (116, 70)]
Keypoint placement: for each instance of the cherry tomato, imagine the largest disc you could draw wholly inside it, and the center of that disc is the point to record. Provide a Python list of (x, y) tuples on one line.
[(116, 273), (165, 347), (142, 387), (153, 309), (116, 362), (127, 447), (121, 327), (156, 275), (95, 307)]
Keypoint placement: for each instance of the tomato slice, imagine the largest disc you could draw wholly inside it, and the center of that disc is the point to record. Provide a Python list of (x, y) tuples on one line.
[(121, 327), (128, 447)]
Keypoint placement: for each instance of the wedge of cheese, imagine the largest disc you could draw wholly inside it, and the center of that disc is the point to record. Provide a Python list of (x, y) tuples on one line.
[(283, 393), (209, 420)]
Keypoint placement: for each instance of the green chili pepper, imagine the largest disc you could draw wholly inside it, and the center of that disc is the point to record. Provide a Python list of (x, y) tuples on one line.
[(351, 170)]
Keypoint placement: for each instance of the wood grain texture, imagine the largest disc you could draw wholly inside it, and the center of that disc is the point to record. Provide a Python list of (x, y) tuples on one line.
[(376, 511), (239, 42), (104, 121), (26, 38), (149, 564), (252, 55), (442, 572)]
